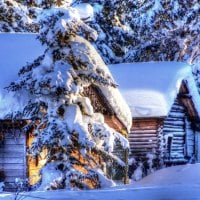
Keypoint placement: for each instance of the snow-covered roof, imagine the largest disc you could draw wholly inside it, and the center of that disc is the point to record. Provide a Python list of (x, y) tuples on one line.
[(15, 51), (18, 49), (150, 88)]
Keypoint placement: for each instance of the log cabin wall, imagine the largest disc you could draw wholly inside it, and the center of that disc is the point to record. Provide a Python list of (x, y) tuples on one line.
[(180, 131), (179, 136), (12, 157), (145, 140)]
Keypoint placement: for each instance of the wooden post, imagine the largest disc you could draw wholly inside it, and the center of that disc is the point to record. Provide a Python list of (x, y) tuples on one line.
[(197, 145), (126, 178)]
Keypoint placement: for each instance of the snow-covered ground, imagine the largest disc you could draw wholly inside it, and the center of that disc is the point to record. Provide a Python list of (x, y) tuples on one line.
[(173, 183), (176, 175), (142, 193)]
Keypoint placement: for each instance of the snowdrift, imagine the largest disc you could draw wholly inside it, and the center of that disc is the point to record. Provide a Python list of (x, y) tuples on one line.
[(182, 174)]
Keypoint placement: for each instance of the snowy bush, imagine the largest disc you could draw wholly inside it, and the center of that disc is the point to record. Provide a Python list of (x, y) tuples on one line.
[(150, 159), (138, 173), (2, 185)]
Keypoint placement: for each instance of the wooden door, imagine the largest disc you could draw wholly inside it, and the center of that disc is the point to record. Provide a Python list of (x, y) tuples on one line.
[(12, 157)]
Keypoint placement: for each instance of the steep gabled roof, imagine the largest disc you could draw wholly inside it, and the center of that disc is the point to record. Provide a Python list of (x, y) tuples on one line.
[(18, 49), (151, 88)]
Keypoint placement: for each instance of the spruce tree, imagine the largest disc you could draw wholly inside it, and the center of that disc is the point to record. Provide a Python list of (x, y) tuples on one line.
[(166, 31), (63, 122), (112, 22), (141, 30), (16, 17)]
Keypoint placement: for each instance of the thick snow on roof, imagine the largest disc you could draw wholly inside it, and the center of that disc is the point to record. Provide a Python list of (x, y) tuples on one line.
[(150, 88), (18, 49), (15, 51)]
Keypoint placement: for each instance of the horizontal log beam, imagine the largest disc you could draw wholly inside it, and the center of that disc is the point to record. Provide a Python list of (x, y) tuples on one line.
[(13, 166), (143, 131), (143, 136), (143, 139), (4, 161), (183, 95)]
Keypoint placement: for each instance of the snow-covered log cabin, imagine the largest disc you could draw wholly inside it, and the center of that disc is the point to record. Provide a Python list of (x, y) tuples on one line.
[(165, 107), (16, 51)]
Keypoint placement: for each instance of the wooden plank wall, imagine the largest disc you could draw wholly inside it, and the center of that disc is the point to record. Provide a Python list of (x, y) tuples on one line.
[(116, 124), (145, 138), (179, 136), (12, 157)]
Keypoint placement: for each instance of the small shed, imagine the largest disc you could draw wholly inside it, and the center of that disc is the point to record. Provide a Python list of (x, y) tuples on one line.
[(165, 107), (18, 49)]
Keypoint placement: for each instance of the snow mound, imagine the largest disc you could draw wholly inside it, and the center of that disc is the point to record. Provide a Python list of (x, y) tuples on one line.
[(181, 174)]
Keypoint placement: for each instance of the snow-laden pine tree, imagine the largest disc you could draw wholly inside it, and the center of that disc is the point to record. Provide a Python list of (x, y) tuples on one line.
[(112, 21), (141, 30), (16, 17), (129, 30), (64, 124), (165, 31)]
